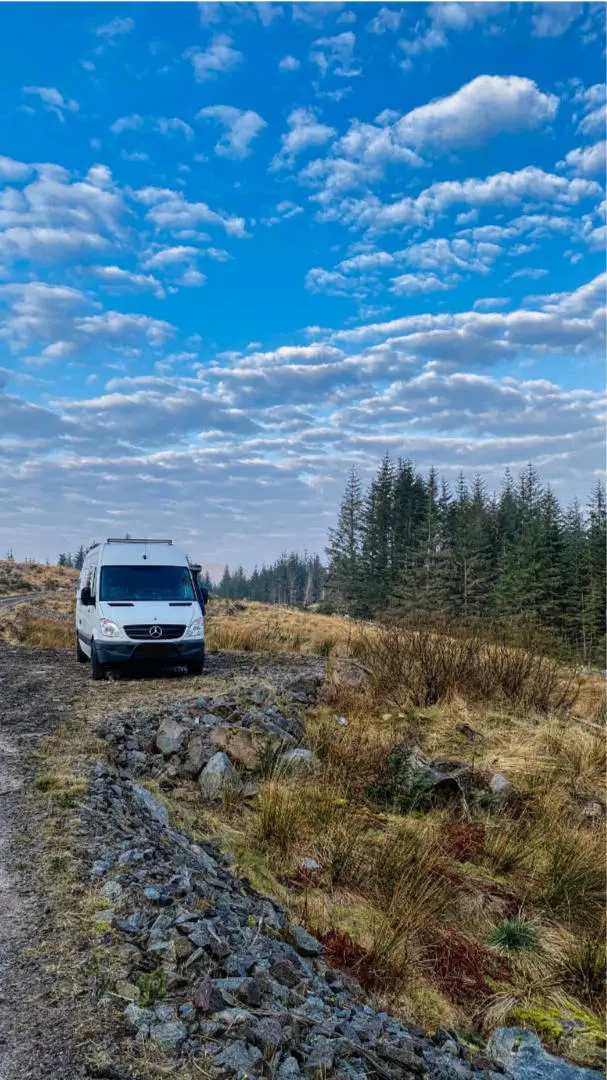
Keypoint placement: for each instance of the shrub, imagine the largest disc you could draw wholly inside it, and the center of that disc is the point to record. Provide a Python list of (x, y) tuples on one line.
[(422, 667), (513, 935)]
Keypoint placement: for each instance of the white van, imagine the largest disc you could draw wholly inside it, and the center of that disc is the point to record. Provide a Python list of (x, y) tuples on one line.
[(139, 600)]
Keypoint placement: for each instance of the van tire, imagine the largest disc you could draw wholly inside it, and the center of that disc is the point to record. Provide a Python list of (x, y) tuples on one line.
[(196, 667), (81, 656), (97, 669)]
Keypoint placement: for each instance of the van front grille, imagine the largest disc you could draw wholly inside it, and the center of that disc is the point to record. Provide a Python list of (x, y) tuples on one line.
[(141, 632)]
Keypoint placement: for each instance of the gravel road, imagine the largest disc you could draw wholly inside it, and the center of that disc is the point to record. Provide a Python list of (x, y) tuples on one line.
[(37, 687), (7, 602)]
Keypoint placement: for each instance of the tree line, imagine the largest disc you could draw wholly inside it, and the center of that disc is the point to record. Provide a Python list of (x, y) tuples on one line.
[(410, 545), (294, 580)]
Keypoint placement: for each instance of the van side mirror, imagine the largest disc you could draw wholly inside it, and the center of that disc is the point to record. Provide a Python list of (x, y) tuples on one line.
[(205, 596), (86, 596)]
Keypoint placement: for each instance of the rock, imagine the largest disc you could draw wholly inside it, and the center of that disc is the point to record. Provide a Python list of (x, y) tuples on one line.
[(499, 785), (299, 761), (321, 1059), (522, 1054), (137, 1018), (242, 746), (196, 756), (304, 684), (238, 1058), (591, 807), (111, 890), (218, 775), (286, 973), (268, 1034), (347, 673), (304, 942), (127, 990), (170, 737), (207, 998), (404, 1056), (469, 733), (288, 1069), (169, 1035), (144, 798), (99, 868)]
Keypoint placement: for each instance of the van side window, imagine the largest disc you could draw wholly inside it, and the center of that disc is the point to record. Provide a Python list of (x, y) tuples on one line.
[(94, 584)]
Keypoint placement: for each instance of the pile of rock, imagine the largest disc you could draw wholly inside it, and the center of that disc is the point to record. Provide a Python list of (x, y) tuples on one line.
[(216, 740), (237, 984)]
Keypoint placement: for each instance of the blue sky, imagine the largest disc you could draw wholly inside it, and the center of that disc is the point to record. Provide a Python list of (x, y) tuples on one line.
[(244, 246)]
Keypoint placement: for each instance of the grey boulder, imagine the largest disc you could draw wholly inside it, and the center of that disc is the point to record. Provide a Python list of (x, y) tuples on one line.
[(522, 1054), (218, 775), (170, 737)]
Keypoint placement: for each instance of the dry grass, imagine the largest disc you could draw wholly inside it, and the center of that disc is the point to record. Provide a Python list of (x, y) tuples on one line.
[(16, 577), (36, 627), (253, 627)]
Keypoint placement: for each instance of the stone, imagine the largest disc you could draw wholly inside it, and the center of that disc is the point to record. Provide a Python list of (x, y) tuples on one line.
[(288, 1069), (347, 673), (321, 1058), (137, 1018), (206, 997), (144, 799), (299, 761), (268, 1034), (111, 890), (127, 990), (470, 734), (286, 973), (404, 1056), (99, 868), (196, 757), (242, 746), (310, 866), (304, 942), (170, 737), (238, 1058), (304, 684), (169, 1035), (591, 807), (498, 785), (218, 775), (524, 1057)]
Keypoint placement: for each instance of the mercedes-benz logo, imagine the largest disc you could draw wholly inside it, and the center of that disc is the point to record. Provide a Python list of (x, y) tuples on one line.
[(155, 631)]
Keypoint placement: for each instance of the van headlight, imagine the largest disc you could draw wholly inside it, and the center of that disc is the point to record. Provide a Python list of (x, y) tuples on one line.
[(111, 629), (195, 629)]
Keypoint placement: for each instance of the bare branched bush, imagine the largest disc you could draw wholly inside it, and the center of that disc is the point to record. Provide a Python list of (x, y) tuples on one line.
[(421, 667)]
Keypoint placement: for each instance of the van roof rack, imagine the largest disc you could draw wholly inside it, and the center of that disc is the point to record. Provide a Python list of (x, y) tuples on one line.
[(135, 540)]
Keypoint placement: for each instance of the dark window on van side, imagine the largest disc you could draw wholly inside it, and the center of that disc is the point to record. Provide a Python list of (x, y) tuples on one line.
[(146, 583)]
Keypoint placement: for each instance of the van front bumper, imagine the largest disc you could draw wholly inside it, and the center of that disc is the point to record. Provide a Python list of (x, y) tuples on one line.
[(165, 652)]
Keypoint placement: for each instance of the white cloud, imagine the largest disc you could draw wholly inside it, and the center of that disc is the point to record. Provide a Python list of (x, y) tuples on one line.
[(443, 19), (115, 326), (284, 210), (594, 122), (168, 256), (504, 188), (289, 63), (386, 19), (366, 261), (489, 303), (532, 272), (119, 280), (209, 13), (170, 210), (53, 101), (241, 126), (411, 284), (449, 254), (171, 125), (116, 27), (478, 111), (304, 131), (13, 170), (335, 54), (49, 243), (216, 59), (553, 19), (127, 123), (586, 160)]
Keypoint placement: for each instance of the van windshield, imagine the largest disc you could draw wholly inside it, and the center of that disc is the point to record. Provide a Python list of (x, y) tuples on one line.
[(146, 583)]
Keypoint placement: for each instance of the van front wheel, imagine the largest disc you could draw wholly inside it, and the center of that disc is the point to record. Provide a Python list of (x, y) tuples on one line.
[(196, 667), (97, 669)]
